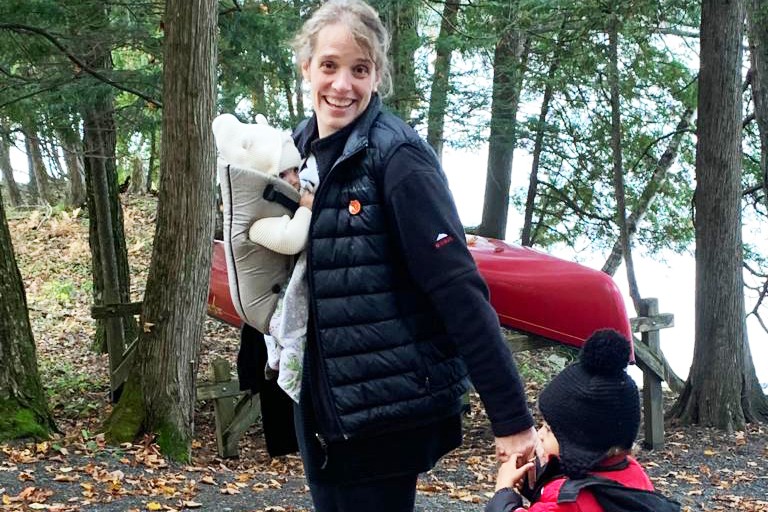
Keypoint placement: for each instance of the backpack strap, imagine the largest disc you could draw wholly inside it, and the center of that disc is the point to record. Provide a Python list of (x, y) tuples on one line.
[(572, 487), (274, 195), (616, 497)]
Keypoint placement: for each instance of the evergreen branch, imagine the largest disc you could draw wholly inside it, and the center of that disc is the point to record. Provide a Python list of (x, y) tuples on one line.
[(576, 208), (82, 65), (33, 93)]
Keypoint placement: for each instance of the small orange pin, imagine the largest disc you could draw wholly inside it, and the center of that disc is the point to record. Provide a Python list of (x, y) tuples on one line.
[(354, 207)]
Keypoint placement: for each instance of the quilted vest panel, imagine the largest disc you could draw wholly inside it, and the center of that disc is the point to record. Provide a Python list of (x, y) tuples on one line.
[(386, 357)]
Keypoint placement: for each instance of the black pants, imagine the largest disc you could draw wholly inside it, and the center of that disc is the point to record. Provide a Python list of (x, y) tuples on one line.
[(396, 494)]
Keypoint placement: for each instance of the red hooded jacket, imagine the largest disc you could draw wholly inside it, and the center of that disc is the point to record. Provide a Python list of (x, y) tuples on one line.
[(632, 476)]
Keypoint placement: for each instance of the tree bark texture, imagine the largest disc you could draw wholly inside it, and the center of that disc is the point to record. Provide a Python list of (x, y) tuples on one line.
[(441, 78), (401, 18), (99, 141), (137, 176), (23, 408), (508, 64), (713, 394), (757, 21), (12, 188), (177, 285), (34, 197)]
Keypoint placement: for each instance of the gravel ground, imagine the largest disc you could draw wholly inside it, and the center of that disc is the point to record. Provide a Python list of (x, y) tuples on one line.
[(703, 469)]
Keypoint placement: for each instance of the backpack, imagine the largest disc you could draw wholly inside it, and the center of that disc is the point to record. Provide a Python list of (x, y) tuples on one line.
[(615, 497)]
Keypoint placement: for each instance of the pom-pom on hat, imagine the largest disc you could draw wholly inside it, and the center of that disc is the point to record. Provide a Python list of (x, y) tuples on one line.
[(593, 405), (257, 147)]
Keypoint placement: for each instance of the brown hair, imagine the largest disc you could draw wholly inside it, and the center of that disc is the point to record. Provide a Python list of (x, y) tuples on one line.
[(366, 27)]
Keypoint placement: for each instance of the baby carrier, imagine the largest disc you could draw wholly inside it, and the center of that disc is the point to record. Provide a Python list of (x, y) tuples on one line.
[(251, 158)]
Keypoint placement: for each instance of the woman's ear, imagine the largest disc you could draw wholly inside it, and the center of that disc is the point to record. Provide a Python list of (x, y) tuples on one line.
[(305, 69)]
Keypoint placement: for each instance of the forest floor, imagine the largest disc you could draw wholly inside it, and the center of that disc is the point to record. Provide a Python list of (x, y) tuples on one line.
[(703, 469)]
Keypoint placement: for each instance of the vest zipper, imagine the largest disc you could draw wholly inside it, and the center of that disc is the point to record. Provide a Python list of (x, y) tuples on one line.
[(324, 415)]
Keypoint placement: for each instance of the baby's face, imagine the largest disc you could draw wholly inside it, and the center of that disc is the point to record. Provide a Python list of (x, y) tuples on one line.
[(292, 177)]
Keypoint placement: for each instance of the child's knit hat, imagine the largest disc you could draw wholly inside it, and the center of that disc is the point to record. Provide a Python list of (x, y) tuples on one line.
[(593, 405), (258, 147)]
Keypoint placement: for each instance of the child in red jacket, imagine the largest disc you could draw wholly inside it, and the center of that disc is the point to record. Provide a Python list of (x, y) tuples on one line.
[(591, 416)]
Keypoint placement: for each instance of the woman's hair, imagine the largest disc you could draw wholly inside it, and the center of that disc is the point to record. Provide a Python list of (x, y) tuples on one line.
[(366, 27)]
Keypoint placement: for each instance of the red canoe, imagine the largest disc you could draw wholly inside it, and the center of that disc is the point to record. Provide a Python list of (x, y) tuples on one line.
[(531, 291)]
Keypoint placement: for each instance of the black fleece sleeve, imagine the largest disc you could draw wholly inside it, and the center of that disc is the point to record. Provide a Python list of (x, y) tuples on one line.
[(432, 239)]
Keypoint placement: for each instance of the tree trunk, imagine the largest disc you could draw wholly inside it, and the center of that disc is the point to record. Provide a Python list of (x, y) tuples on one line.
[(163, 377), (34, 197), (658, 178), (22, 398), (441, 78), (715, 386), (137, 176), (508, 64), (402, 18), (72, 146), (14, 194), (152, 160), (618, 163), (99, 141), (38, 166), (757, 18), (530, 202)]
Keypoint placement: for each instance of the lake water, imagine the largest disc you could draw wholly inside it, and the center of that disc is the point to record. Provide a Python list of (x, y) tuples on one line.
[(669, 277)]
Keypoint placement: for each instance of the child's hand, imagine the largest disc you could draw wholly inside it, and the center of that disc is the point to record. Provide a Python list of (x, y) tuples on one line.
[(510, 475), (306, 200)]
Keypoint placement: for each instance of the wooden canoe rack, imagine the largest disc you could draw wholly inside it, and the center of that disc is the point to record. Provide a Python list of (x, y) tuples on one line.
[(651, 361), (234, 410)]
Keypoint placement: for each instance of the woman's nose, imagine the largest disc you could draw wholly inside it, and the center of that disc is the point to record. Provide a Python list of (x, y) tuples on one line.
[(342, 80)]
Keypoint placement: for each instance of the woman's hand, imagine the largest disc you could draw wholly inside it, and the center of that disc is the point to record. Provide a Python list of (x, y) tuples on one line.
[(306, 200), (524, 446), (510, 475)]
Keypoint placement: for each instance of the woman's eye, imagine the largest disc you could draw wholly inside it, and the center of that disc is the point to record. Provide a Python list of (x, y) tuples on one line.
[(361, 71), (327, 66)]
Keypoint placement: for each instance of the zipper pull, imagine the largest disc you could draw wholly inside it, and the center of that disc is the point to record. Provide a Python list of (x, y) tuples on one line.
[(324, 446)]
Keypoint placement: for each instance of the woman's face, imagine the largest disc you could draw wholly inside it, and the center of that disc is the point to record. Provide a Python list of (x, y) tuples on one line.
[(342, 77)]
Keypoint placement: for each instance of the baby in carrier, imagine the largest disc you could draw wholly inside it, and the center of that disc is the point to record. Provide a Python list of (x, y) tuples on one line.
[(267, 210)]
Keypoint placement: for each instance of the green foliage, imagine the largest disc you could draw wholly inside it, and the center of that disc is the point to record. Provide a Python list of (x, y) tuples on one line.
[(60, 291), (72, 392)]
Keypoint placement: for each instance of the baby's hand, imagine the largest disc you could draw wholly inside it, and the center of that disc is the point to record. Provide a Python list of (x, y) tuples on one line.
[(510, 475), (306, 200)]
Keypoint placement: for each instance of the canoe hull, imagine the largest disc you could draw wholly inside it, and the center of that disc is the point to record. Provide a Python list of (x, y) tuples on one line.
[(531, 292)]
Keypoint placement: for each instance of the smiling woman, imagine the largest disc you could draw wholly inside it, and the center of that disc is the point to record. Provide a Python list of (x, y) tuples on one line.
[(399, 315)]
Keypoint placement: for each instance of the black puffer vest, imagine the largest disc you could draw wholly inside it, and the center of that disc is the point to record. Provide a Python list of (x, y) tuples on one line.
[(382, 359)]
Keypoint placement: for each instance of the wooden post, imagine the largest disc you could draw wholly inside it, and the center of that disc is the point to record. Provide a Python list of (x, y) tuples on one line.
[(224, 408), (653, 404)]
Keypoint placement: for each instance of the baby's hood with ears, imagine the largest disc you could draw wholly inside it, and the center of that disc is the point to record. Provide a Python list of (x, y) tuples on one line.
[(257, 147)]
